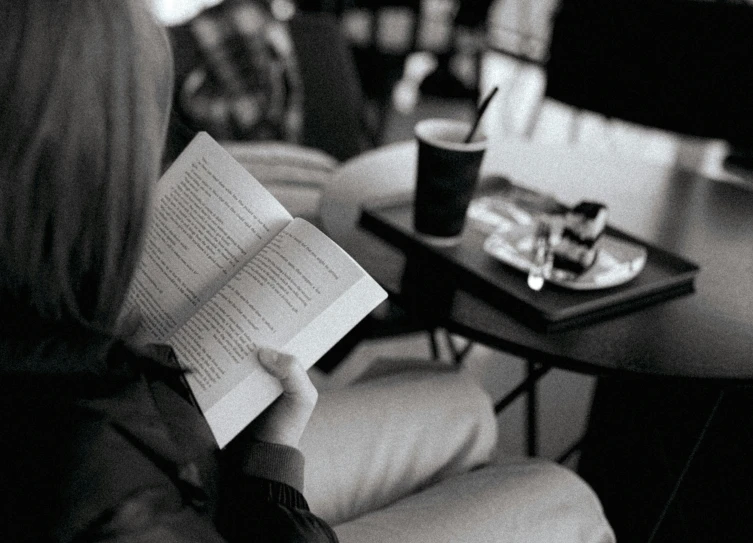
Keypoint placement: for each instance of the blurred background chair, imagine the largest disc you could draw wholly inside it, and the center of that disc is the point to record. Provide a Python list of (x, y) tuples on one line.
[(335, 117)]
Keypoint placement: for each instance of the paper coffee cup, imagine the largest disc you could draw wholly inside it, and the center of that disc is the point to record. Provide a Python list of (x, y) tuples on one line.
[(446, 176)]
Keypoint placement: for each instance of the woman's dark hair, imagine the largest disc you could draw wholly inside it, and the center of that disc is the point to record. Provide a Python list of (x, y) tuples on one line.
[(85, 88)]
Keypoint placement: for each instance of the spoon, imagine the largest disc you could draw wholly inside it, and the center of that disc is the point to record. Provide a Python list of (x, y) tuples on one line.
[(541, 257)]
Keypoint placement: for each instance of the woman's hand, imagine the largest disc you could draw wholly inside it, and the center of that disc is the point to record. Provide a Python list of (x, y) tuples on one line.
[(283, 422)]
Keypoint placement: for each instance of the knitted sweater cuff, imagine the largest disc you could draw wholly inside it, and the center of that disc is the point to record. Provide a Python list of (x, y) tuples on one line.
[(275, 462)]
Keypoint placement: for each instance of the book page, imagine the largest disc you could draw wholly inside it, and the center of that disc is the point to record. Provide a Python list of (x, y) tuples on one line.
[(300, 294), (209, 217)]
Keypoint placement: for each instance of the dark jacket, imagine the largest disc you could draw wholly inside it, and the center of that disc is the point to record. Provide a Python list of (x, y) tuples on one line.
[(106, 445)]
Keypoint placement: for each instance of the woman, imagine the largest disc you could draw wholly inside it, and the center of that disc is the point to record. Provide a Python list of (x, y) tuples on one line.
[(102, 442)]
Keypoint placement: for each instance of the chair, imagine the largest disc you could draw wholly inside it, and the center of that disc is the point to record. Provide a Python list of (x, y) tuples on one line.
[(334, 117)]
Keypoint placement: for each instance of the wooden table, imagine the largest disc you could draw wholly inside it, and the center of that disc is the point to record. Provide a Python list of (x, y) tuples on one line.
[(702, 338)]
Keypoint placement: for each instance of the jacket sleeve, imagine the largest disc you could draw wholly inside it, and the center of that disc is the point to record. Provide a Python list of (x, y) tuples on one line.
[(261, 498), (258, 501), (262, 510), (156, 476)]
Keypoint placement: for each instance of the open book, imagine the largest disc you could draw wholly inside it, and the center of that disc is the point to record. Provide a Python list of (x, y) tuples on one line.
[(225, 270)]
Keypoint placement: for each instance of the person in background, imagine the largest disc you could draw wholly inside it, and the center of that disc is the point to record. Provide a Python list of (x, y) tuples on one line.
[(102, 440)]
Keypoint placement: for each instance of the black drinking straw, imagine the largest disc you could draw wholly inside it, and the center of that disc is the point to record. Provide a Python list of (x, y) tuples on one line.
[(479, 112)]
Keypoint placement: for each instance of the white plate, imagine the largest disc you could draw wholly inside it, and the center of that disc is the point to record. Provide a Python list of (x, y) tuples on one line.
[(618, 261)]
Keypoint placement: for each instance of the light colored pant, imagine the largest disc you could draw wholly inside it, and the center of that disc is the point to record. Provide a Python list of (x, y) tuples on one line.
[(403, 458)]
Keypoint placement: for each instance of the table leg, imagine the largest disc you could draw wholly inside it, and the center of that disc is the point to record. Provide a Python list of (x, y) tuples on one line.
[(458, 354), (532, 414), (535, 372), (571, 450), (433, 345)]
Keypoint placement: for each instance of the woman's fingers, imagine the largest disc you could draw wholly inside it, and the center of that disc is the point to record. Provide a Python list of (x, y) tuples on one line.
[(284, 421), (293, 378)]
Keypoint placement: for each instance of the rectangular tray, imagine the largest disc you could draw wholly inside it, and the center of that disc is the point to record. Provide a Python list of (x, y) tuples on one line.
[(665, 275)]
